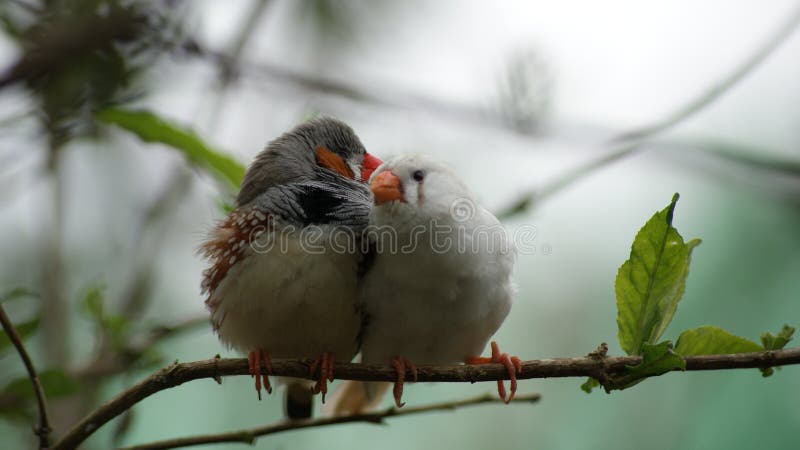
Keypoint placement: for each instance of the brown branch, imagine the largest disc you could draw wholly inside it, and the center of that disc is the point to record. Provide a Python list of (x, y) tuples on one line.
[(43, 430), (249, 436), (592, 366)]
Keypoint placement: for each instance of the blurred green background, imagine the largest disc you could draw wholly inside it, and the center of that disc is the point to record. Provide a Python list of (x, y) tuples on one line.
[(99, 229)]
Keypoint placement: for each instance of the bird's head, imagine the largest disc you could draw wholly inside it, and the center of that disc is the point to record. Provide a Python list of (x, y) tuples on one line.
[(417, 185), (322, 144)]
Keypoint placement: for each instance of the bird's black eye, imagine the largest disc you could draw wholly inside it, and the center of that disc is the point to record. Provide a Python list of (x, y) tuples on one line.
[(418, 175)]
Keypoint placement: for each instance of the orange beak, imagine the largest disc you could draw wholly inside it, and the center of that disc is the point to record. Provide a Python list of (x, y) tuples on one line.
[(386, 187), (370, 164)]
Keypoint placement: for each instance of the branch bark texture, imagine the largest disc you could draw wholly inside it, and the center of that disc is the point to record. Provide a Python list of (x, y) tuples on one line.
[(43, 429), (587, 366)]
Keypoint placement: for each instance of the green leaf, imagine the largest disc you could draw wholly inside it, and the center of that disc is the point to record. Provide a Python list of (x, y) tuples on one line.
[(656, 360), (709, 340), (14, 409), (225, 207), (55, 382), (116, 328), (151, 128), (15, 294), (651, 282), (590, 384), (773, 342), (24, 330), (93, 301)]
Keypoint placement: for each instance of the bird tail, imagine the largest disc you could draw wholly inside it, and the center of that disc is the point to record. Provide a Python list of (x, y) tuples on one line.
[(298, 400), (354, 397)]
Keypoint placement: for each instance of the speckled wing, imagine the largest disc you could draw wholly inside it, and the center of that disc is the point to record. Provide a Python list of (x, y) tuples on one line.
[(328, 200)]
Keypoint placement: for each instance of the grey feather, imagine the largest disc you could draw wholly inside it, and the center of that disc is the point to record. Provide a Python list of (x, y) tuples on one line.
[(291, 157)]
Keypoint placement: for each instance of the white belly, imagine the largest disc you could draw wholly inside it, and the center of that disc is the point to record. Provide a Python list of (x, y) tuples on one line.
[(445, 315), (291, 303)]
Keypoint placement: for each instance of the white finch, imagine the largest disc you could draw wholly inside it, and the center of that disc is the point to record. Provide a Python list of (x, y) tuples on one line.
[(279, 284), (439, 284)]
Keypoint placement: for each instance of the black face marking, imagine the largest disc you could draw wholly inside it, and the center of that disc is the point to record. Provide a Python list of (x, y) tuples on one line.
[(418, 175), (317, 204)]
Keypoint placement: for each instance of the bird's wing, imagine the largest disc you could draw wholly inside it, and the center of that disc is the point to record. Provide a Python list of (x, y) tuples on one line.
[(327, 200), (228, 243)]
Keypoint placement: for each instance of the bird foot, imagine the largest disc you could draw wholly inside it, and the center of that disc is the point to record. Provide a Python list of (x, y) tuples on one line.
[(325, 364), (513, 366), (255, 358), (401, 366)]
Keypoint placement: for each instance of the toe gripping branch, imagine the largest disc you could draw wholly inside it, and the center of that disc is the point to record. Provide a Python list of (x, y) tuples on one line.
[(513, 366), (255, 358), (401, 366), (324, 363)]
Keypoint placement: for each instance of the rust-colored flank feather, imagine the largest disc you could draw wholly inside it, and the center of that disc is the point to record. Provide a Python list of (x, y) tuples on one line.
[(229, 243)]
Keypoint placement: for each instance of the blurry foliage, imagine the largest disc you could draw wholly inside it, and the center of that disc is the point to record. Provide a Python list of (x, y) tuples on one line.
[(15, 294), (55, 382), (124, 342), (151, 128), (331, 21), (24, 329), (80, 55), (18, 401), (114, 327), (81, 62)]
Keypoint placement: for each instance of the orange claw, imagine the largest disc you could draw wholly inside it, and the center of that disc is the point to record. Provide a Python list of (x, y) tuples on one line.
[(254, 360), (512, 364), (325, 364), (401, 365)]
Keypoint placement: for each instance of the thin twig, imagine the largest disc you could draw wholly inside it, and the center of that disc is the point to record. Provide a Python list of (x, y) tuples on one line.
[(395, 97), (532, 198), (43, 430), (378, 94), (178, 374), (629, 142), (249, 436), (715, 91), (229, 68), (246, 31)]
